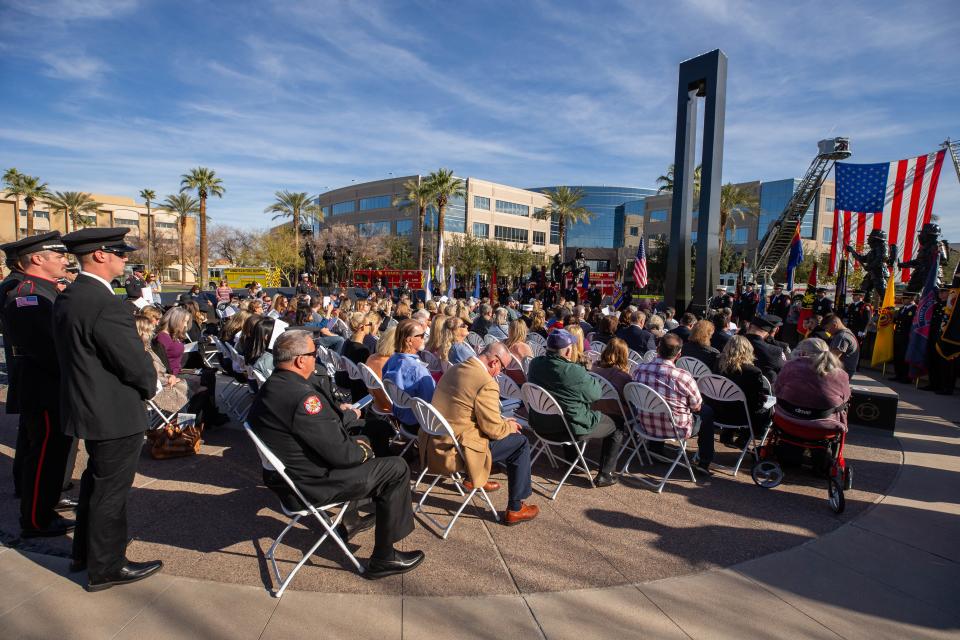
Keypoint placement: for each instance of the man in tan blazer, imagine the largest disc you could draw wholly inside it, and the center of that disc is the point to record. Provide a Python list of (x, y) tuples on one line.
[(469, 398)]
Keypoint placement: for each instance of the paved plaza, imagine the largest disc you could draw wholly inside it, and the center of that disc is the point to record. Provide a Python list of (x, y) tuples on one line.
[(722, 558)]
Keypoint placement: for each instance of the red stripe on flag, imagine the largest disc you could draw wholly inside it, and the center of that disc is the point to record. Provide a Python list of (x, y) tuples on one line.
[(912, 226), (861, 230), (934, 177), (833, 245), (897, 202), (878, 220)]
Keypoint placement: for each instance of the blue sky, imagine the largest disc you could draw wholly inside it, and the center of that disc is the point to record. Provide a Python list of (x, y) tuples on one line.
[(112, 97)]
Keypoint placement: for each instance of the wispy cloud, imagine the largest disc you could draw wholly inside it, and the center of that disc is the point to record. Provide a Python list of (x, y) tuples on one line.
[(73, 65)]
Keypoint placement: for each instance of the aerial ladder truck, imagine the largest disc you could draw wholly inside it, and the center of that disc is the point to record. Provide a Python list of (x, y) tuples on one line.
[(776, 241)]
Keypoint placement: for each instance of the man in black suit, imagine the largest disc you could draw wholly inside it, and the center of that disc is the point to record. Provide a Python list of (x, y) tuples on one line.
[(687, 321), (768, 357), (28, 329), (902, 326), (822, 306), (105, 376), (779, 302), (636, 337), (299, 420)]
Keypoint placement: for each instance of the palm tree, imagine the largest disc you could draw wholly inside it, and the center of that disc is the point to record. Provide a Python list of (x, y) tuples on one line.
[(736, 204), (666, 181), (13, 179), (564, 206), (149, 195), (417, 196), (32, 190), (294, 205), (205, 182), (184, 206), (74, 205), (443, 186)]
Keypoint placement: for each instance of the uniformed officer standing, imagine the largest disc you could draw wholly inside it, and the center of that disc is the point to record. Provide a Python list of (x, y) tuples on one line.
[(768, 357), (941, 370), (779, 302), (28, 329), (747, 304), (105, 376), (902, 325), (722, 300), (300, 422), (822, 306), (12, 407), (858, 314)]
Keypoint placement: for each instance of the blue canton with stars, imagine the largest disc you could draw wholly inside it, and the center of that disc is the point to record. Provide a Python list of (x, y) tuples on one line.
[(861, 187)]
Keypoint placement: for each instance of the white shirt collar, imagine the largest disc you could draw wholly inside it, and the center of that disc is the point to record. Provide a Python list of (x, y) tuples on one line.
[(98, 278)]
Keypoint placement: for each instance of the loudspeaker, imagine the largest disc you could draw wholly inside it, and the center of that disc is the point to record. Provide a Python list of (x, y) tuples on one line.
[(872, 404)]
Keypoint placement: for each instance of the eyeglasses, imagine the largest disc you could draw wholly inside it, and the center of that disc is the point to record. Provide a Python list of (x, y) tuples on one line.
[(418, 335), (114, 251), (312, 354)]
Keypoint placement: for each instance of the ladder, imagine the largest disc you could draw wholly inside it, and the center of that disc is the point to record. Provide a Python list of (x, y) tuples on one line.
[(776, 241), (953, 148)]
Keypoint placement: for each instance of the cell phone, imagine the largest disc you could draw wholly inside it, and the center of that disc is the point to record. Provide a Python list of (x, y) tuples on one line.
[(362, 403)]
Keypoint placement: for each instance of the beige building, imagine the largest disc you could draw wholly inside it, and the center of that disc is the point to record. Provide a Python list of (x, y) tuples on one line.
[(113, 211), (489, 210)]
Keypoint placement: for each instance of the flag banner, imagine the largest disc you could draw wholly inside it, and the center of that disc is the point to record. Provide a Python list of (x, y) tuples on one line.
[(809, 298), (453, 281), (427, 292), (920, 333), (949, 343), (840, 295), (586, 279), (640, 266), (618, 294), (740, 279), (796, 257), (438, 273), (476, 287), (762, 305), (896, 197), (883, 344)]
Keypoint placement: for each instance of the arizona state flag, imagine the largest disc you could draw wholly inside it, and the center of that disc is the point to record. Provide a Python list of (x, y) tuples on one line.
[(883, 345), (809, 298), (949, 344)]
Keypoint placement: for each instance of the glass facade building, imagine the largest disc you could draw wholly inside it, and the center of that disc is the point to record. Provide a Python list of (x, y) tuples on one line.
[(603, 231), (774, 196)]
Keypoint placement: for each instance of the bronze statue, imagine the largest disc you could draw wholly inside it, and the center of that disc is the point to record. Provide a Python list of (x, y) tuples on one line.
[(348, 267), (579, 268), (556, 269), (930, 246), (875, 263), (330, 265), (309, 257)]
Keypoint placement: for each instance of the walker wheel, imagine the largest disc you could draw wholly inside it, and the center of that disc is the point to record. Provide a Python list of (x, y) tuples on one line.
[(835, 495), (767, 474)]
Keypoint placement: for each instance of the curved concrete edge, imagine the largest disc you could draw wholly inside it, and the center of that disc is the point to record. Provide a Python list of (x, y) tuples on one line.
[(891, 573)]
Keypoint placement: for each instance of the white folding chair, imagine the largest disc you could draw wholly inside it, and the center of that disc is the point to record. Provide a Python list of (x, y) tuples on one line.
[(609, 392), (592, 358), (536, 338), (432, 361), (352, 370), (488, 340), (696, 368), (375, 387), (538, 348), (157, 417), (516, 364), (538, 399), (258, 376), (402, 399), (597, 346), (720, 389), (649, 356), (645, 403), (272, 462), (475, 341), (436, 426), (634, 356), (508, 388)]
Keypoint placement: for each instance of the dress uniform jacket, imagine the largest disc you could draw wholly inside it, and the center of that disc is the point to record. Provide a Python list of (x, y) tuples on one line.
[(823, 307), (28, 328), (9, 284), (105, 373), (470, 401), (769, 358), (747, 306), (301, 423), (779, 304)]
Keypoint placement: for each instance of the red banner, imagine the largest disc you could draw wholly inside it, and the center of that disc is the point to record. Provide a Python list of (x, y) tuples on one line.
[(395, 277)]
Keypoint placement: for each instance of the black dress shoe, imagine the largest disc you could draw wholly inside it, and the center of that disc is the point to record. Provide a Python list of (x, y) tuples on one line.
[(66, 504), (130, 572), (347, 530), (59, 526), (605, 480), (402, 562)]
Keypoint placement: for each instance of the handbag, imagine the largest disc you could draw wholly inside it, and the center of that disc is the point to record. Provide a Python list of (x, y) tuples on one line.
[(181, 439)]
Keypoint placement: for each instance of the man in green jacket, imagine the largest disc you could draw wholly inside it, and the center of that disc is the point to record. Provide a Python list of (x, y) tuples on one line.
[(575, 391)]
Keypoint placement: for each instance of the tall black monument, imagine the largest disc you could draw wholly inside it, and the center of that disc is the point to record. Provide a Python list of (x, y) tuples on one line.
[(704, 76)]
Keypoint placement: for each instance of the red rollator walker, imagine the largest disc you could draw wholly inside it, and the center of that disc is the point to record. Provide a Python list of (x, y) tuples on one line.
[(817, 430)]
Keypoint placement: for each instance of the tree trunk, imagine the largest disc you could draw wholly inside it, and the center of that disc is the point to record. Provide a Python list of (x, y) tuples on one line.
[(562, 233), (420, 234), (296, 243), (181, 226), (201, 274), (441, 212), (66, 221), (149, 239), (16, 219), (29, 216)]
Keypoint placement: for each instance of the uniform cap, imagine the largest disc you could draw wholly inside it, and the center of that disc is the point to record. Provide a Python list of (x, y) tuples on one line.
[(766, 321), (779, 285), (49, 241), (721, 288), (821, 290), (90, 240)]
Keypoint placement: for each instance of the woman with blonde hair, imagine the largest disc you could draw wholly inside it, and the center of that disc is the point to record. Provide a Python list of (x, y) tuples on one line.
[(614, 367), (577, 353), (435, 340), (278, 306), (538, 323), (736, 363), (373, 336), (655, 326), (516, 341), (386, 347), (698, 344)]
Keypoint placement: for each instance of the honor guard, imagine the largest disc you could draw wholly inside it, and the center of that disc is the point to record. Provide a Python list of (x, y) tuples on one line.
[(768, 356), (822, 306), (105, 377), (779, 302), (858, 314), (902, 325), (13, 391), (747, 305), (28, 329), (722, 300)]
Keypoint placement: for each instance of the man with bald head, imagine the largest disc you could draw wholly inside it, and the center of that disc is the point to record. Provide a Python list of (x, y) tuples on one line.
[(468, 396)]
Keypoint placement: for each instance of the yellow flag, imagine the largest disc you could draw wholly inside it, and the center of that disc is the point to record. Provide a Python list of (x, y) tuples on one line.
[(883, 345)]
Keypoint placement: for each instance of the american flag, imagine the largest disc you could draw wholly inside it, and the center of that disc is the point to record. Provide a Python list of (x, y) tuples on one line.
[(894, 196), (640, 266)]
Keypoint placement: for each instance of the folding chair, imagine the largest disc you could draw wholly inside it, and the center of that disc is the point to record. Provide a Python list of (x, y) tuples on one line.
[(720, 389), (536, 338), (508, 388), (696, 368), (436, 426), (538, 348), (609, 392), (353, 372), (645, 402), (375, 387), (273, 463), (597, 346), (538, 399), (157, 417), (649, 356), (488, 340), (402, 399), (592, 358), (634, 356), (475, 341), (432, 361)]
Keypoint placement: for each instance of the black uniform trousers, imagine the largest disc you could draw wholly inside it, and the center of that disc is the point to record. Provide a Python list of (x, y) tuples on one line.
[(100, 538), (19, 454), (900, 366), (386, 481), (45, 452)]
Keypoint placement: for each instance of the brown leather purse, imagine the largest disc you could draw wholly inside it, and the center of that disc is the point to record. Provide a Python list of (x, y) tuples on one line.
[(182, 439)]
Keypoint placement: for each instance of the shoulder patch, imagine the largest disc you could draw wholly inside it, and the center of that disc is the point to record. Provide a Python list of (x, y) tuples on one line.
[(27, 301), (312, 405)]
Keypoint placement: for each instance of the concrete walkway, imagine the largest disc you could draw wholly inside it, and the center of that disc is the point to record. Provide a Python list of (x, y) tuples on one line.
[(892, 573)]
